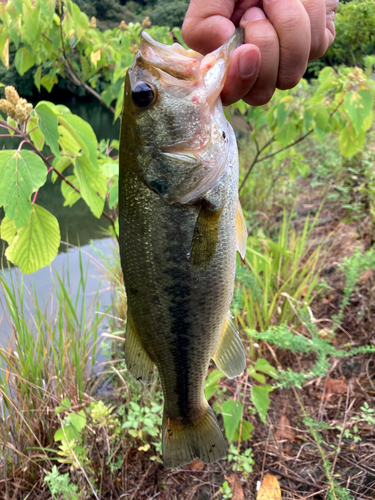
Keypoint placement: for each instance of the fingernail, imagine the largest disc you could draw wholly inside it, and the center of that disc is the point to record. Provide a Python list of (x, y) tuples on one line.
[(253, 14), (248, 66)]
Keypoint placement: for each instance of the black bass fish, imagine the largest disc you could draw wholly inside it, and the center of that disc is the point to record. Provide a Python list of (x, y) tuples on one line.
[(180, 227)]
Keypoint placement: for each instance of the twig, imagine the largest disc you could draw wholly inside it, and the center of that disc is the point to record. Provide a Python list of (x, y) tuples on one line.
[(342, 431)]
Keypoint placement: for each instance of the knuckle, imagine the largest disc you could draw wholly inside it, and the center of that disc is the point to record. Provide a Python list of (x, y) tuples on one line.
[(259, 98), (287, 80)]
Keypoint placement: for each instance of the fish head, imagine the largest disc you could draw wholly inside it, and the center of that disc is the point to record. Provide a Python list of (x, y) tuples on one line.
[(172, 105)]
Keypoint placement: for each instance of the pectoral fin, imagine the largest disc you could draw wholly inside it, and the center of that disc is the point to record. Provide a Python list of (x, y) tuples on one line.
[(230, 355), (241, 231), (206, 235), (138, 362)]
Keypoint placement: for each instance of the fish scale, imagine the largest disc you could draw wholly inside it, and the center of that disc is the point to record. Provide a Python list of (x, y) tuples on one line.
[(178, 258)]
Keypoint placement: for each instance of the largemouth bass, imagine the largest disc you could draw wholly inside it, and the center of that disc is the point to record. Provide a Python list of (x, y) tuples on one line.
[(180, 228)]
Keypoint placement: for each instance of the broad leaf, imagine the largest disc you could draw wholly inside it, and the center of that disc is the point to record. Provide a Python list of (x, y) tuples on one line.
[(65, 405), (23, 60), (261, 400), (83, 134), (60, 164), (349, 142), (21, 173), (93, 185), (357, 105), (36, 244), (257, 376), (8, 230), (246, 431), (36, 135), (262, 365), (48, 123), (71, 196), (113, 195), (211, 385), (282, 113), (78, 420), (232, 413)]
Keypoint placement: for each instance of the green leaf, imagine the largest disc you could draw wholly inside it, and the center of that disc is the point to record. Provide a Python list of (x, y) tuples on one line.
[(83, 134), (37, 77), (367, 122), (65, 405), (78, 420), (320, 121), (92, 184), (261, 400), (357, 105), (68, 433), (23, 60), (246, 431), (113, 195), (232, 413), (257, 376), (262, 365), (211, 385), (288, 133), (282, 113), (36, 135), (21, 173), (8, 230), (48, 123), (350, 143), (67, 142), (71, 196), (36, 244), (48, 81), (60, 164)]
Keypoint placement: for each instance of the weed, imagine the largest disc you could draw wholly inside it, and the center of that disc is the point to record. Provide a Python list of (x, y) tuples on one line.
[(51, 354), (275, 276), (59, 484), (226, 491), (243, 461)]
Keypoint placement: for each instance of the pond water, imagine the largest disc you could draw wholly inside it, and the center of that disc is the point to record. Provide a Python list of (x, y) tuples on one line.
[(78, 226)]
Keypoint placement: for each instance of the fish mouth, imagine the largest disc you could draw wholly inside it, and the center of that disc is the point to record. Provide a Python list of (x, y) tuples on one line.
[(191, 66)]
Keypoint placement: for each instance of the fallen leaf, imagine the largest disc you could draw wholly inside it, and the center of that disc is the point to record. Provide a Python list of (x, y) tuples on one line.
[(284, 430), (196, 464), (235, 485), (331, 297), (365, 276), (269, 489), (334, 386)]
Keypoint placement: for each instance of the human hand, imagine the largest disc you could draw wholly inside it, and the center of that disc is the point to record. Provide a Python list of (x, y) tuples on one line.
[(281, 36)]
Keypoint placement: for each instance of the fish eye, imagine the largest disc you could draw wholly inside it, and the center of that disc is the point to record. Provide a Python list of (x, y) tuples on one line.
[(143, 94)]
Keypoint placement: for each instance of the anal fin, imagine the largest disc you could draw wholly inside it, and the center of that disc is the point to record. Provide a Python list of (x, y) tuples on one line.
[(138, 361), (230, 355), (241, 231)]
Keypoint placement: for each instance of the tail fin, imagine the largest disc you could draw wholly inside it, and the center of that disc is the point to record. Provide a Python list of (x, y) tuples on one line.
[(202, 439)]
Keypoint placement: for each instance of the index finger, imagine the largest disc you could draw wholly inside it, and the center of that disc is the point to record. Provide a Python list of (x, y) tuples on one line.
[(207, 25)]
